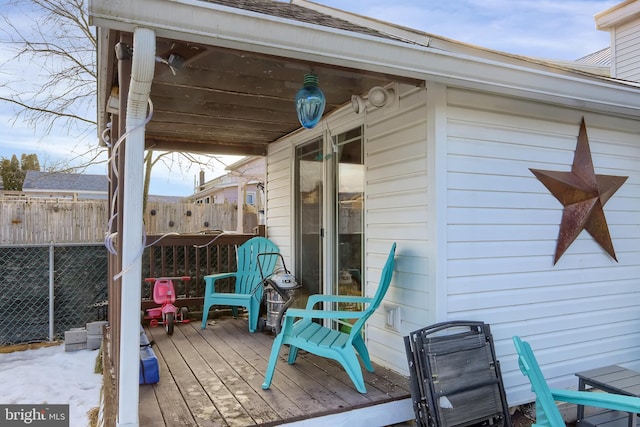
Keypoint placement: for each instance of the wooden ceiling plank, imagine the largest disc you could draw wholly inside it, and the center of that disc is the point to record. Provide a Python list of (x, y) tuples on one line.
[(219, 122), (209, 131), (216, 148)]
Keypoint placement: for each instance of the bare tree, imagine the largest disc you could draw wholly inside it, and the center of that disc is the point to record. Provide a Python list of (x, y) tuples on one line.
[(55, 38), (152, 158)]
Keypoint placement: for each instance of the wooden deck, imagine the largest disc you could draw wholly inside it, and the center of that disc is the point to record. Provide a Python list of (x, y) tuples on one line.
[(213, 377)]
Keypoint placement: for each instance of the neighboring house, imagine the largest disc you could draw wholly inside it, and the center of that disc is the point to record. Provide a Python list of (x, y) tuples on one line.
[(600, 58), (75, 186), (434, 152), (623, 23), (244, 179), (66, 185)]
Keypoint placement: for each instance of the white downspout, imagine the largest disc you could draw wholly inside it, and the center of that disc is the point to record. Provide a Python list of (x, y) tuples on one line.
[(142, 67)]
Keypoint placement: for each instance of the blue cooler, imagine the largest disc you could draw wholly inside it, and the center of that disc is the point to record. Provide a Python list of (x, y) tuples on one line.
[(149, 372)]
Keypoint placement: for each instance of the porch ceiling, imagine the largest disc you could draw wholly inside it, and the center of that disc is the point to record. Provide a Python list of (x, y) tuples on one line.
[(245, 60), (226, 101)]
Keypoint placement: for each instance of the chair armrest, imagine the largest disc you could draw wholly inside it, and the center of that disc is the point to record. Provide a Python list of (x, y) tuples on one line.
[(323, 314), (616, 402), (316, 298), (211, 278)]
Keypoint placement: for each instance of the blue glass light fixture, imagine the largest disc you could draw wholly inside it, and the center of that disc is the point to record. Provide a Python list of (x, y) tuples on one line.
[(310, 102)]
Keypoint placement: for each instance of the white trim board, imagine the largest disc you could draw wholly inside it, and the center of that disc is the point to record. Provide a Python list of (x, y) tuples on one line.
[(379, 415)]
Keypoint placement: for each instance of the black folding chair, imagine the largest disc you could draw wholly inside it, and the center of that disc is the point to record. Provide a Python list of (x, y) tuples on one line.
[(455, 376)]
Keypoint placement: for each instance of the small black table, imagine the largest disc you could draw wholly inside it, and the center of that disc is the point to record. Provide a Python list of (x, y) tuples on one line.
[(610, 379)]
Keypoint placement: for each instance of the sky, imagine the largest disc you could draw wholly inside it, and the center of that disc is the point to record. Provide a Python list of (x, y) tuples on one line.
[(548, 29), (52, 375)]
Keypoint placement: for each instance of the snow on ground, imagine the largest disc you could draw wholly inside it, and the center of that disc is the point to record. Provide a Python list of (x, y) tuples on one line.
[(54, 376)]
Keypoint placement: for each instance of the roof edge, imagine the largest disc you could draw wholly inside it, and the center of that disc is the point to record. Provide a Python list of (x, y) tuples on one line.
[(253, 32), (617, 15), (409, 35)]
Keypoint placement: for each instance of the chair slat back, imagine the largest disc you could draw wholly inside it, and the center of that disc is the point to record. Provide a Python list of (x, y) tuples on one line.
[(248, 275), (383, 286), (546, 408)]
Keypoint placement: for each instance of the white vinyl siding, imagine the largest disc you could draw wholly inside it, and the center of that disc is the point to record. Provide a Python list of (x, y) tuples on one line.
[(279, 218), (627, 51), (396, 210), (463, 158), (502, 228), (396, 204)]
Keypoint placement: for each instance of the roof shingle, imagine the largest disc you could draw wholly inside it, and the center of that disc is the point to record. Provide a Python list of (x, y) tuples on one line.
[(59, 181), (298, 13)]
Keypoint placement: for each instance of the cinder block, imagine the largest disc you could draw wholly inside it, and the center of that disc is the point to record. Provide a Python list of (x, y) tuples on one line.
[(95, 328), (75, 347), (94, 341), (75, 336)]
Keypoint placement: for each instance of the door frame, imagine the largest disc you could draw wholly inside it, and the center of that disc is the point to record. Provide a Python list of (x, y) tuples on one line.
[(341, 122)]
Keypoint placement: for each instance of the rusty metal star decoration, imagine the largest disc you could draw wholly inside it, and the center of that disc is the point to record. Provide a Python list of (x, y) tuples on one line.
[(583, 195)]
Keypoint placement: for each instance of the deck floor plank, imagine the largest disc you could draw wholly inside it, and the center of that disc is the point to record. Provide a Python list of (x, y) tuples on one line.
[(381, 384), (174, 409), (230, 394), (238, 374), (221, 369), (330, 374), (151, 415), (194, 380), (310, 398), (281, 404), (321, 392), (323, 371)]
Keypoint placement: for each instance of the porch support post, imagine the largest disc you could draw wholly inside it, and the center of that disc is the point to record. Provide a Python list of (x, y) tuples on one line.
[(241, 199), (143, 65), (52, 293)]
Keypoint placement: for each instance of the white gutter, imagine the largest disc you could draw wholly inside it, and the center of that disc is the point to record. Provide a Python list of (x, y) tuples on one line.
[(617, 15), (144, 52), (213, 24)]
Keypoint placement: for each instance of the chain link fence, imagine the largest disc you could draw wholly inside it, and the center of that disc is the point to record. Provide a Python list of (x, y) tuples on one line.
[(49, 289)]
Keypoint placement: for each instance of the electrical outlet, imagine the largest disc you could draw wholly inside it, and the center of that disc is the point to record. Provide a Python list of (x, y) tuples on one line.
[(392, 317)]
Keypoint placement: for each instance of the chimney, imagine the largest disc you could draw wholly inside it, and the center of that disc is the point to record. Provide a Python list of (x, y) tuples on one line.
[(201, 179), (623, 23)]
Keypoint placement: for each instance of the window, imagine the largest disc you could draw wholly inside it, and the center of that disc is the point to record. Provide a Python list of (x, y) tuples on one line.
[(250, 198)]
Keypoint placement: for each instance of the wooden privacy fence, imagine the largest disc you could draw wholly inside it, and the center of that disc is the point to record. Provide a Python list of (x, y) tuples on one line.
[(40, 221), (163, 217), (35, 220)]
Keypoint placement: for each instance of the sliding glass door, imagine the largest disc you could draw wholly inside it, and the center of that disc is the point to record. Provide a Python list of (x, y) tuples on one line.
[(348, 200), (309, 194), (330, 236)]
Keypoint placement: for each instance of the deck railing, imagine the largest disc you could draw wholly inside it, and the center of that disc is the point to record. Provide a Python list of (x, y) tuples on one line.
[(194, 256)]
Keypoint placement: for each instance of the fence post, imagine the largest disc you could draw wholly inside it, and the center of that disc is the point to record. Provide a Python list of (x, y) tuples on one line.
[(51, 292)]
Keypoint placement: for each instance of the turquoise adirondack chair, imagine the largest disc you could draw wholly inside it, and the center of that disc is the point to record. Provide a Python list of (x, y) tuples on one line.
[(314, 338), (547, 413), (248, 278)]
